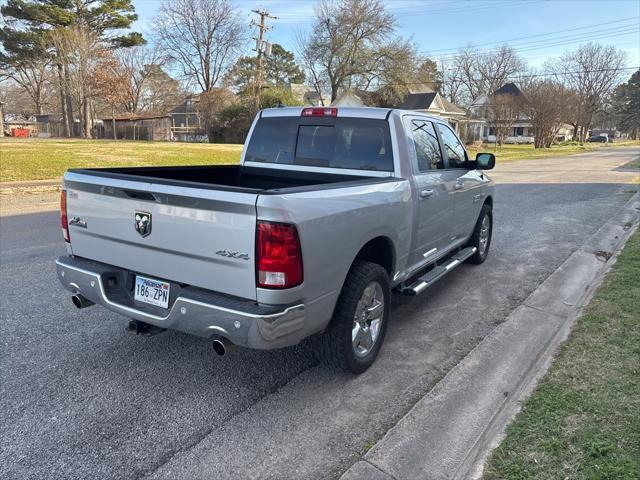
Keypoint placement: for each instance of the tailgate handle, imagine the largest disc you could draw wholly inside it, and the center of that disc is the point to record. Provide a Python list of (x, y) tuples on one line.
[(139, 195)]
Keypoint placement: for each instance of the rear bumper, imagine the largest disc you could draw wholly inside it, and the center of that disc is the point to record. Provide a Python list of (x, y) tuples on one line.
[(191, 310)]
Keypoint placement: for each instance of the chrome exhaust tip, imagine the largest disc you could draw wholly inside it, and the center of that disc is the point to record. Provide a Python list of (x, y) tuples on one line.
[(222, 346), (81, 302)]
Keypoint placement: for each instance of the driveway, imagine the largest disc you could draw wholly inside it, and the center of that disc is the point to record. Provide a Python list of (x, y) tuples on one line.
[(80, 398)]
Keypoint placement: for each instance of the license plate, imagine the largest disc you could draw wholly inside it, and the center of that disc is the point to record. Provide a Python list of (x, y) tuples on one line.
[(153, 292)]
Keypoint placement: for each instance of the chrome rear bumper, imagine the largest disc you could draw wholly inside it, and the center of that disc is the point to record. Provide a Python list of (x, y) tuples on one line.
[(191, 310)]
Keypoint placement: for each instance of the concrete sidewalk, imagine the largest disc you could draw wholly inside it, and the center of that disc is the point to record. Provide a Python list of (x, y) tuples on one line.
[(449, 432), (32, 184), (29, 196)]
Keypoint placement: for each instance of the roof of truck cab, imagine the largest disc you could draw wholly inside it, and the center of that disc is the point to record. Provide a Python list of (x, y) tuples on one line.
[(354, 112)]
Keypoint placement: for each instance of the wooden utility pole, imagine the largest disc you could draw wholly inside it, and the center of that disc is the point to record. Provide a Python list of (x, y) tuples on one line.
[(260, 49)]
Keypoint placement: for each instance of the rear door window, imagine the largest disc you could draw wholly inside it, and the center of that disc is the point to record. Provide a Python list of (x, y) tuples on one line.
[(426, 144), (352, 143), (453, 147)]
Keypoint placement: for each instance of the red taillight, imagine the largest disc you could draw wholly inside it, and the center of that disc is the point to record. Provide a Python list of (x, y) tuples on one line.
[(319, 112), (63, 216), (278, 256)]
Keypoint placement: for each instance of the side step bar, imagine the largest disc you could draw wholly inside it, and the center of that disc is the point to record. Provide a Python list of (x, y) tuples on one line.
[(437, 272)]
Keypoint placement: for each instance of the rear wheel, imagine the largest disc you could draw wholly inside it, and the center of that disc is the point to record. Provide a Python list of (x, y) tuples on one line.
[(359, 322), (481, 237)]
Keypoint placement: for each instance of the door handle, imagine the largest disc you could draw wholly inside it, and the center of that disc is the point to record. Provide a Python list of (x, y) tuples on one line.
[(426, 193), (78, 222), (458, 185)]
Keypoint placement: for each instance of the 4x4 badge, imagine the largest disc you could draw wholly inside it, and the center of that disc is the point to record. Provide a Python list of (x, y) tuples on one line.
[(142, 223), (227, 253)]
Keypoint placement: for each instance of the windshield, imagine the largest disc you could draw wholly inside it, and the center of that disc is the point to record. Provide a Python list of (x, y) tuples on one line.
[(355, 143)]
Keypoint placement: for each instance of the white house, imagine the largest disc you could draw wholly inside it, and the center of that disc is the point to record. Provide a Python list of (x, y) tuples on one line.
[(522, 129)]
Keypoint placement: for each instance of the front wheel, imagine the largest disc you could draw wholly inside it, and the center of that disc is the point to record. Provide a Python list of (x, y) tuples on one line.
[(359, 322), (481, 237)]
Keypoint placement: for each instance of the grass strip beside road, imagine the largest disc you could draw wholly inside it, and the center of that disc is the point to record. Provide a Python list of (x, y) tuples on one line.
[(509, 153), (41, 159), (583, 420)]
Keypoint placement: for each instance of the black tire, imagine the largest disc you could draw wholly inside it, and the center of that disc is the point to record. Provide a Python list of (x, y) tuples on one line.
[(475, 241), (335, 346)]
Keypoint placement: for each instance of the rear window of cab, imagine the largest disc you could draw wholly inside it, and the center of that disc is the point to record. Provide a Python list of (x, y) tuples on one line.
[(334, 142)]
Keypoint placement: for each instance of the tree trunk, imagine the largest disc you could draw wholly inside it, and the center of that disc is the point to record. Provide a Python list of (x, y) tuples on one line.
[(334, 91), (69, 103), (574, 135), (65, 120), (1, 121), (86, 119), (113, 121)]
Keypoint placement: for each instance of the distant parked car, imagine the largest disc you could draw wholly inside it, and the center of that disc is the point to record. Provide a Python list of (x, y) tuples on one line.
[(598, 139)]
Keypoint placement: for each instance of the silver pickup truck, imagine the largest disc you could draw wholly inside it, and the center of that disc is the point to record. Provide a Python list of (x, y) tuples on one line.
[(329, 210)]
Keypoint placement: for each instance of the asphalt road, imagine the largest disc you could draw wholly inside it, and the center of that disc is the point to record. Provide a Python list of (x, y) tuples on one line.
[(81, 398)]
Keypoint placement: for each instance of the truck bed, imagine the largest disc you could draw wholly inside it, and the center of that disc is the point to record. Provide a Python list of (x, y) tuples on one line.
[(233, 177), (197, 213)]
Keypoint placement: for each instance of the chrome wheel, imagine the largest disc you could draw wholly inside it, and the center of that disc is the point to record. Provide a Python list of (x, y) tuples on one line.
[(484, 234), (368, 319)]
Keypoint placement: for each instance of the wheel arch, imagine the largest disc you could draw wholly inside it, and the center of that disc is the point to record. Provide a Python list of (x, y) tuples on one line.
[(378, 250)]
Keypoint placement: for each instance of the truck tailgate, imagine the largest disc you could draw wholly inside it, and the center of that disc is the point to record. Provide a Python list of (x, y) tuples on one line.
[(198, 236)]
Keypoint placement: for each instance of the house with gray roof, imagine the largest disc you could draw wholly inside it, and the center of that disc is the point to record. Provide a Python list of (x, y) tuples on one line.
[(433, 103)]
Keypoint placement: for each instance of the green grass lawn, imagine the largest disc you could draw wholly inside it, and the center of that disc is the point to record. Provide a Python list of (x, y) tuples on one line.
[(39, 159), (36, 159), (583, 420), (508, 153)]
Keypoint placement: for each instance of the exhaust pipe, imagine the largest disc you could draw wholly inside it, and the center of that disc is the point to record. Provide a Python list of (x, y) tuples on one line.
[(81, 302), (222, 346)]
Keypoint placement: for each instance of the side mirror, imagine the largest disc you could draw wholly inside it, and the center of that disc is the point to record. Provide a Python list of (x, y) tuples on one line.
[(485, 161)]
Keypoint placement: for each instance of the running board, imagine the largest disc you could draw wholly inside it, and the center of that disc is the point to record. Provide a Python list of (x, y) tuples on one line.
[(437, 272)]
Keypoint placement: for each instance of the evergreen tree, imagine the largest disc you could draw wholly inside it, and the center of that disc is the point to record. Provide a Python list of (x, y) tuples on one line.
[(626, 102), (280, 69)]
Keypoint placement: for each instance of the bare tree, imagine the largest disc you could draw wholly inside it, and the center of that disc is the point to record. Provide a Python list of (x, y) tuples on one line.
[(546, 104), (33, 77), (592, 71), (482, 73), (452, 85), (110, 84), (138, 64), (504, 109), (79, 51), (209, 107), (349, 41), (203, 37)]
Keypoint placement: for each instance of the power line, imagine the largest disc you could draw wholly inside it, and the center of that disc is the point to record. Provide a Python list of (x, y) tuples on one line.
[(552, 42), (533, 75), (579, 39), (426, 10), (459, 9), (539, 34)]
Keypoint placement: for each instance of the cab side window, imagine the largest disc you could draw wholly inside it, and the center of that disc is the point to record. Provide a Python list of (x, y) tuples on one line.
[(452, 147), (426, 144)]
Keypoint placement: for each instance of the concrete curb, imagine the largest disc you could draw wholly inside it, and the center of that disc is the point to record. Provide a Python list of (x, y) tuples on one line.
[(450, 432)]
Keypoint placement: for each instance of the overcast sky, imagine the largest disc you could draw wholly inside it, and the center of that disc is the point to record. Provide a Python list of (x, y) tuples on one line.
[(538, 29)]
